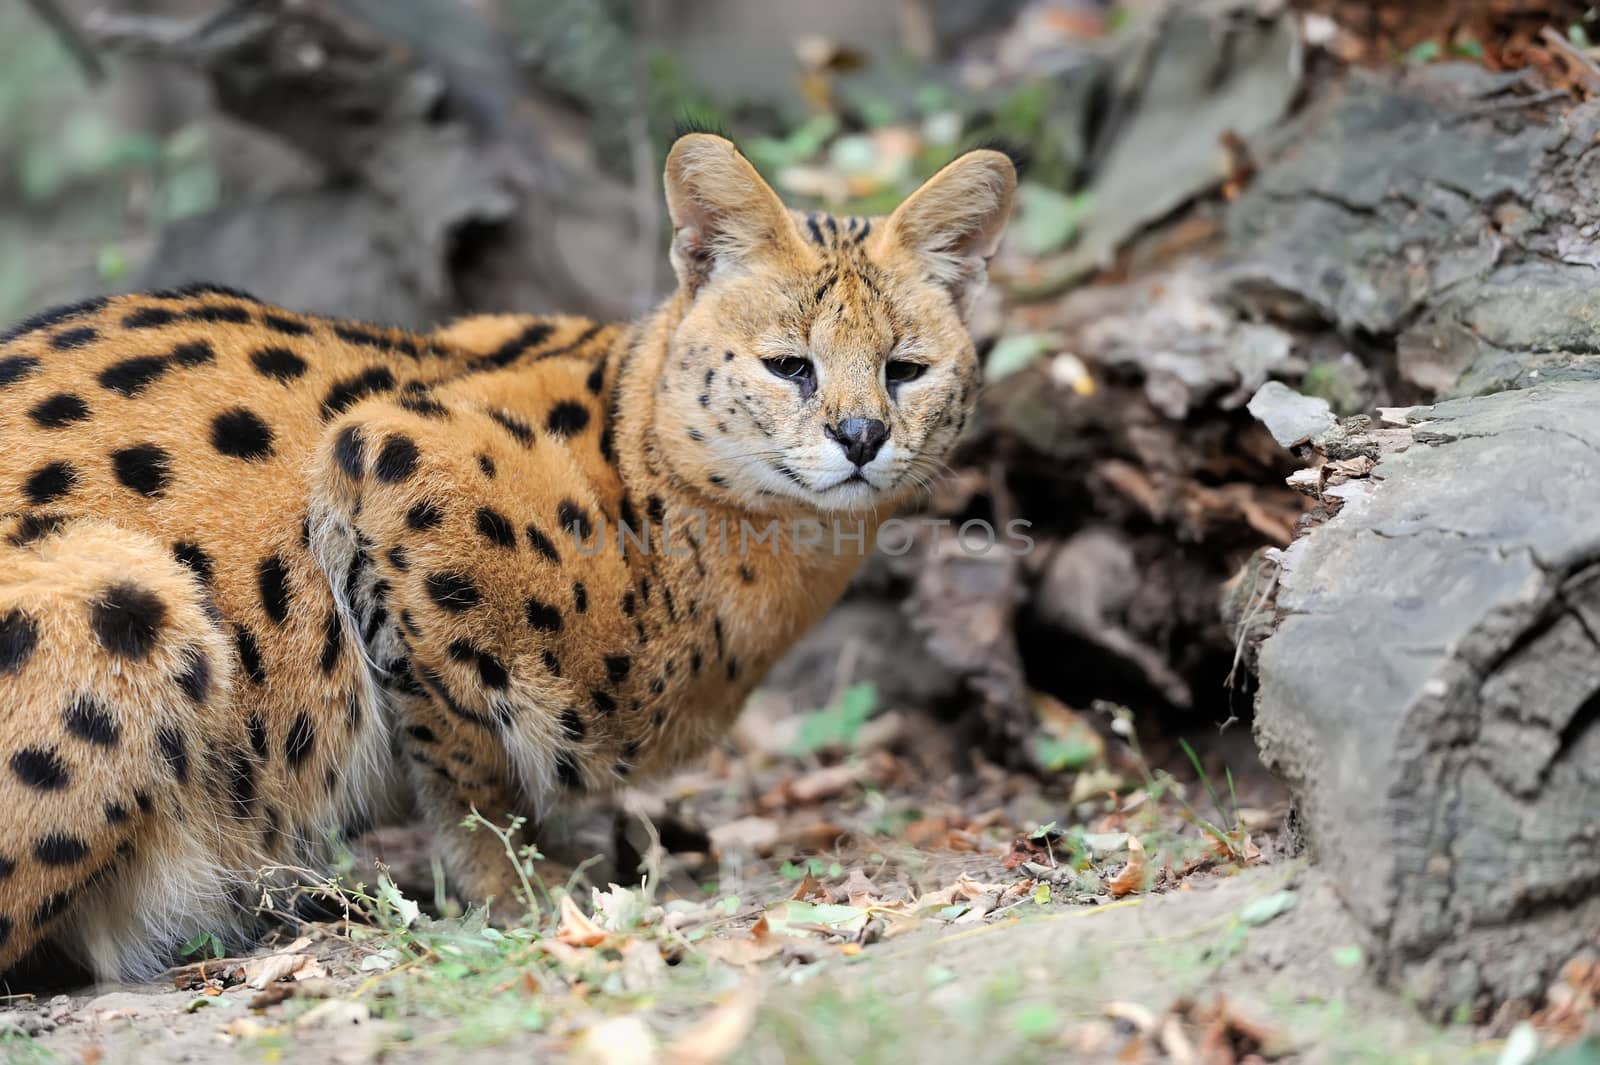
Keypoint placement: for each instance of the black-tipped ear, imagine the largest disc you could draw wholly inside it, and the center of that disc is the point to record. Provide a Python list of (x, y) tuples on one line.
[(691, 122), (1018, 154), (724, 216)]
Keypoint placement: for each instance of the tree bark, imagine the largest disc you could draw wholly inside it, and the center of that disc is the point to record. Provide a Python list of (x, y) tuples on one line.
[(1430, 688)]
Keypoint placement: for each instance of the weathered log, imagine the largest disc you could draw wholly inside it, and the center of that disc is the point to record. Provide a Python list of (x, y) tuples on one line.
[(1430, 689)]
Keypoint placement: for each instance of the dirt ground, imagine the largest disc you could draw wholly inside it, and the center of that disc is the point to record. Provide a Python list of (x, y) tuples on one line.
[(867, 900)]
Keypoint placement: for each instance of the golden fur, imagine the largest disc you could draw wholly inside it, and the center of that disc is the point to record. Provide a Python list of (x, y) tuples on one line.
[(266, 577)]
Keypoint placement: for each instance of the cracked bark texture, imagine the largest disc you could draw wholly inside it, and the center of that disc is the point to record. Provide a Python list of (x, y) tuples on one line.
[(1431, 688)]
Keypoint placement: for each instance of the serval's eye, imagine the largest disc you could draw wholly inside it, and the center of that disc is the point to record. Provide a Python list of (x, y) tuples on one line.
[(792, 368), (899, 371)]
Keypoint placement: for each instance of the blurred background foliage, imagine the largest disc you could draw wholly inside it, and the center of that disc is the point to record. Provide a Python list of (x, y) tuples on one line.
[(842, 106)]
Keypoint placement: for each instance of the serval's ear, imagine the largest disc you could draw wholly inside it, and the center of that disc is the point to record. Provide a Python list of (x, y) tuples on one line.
[(953, 223), (724, 217)]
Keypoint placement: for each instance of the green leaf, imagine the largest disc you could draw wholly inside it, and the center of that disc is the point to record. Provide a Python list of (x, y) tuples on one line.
[(1041, 894), (1058, 755), (837, 726), (1016, 352), (1348, 956), (1264, 909), (403, 908), (1036, 1021), (794, 917), (1046, 219), (1423, 52)]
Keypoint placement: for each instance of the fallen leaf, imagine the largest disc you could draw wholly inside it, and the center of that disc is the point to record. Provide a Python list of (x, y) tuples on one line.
[(272, 996), (810, 888), (576, 929), (259, 972), (859, 890), (815, 918), (1260, 911), (717, 1034), (616, 1041), (1132, 877)]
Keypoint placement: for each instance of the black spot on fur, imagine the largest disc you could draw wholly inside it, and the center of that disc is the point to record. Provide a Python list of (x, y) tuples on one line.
[(301, 739), (40, 769), (92, 723), (605, 446), (574, 519), (486, 464), (542, 616), (195, 680), (618, 667), (519, 429), (218, 312), (116, 813), (596, 381), (58, 849), (194, 353), (572, 723), (630, 603), (289, 327), (493, 526), (541, 543), (421, 733), (190, 555), (375, 337), (491, 670), (132, 376), (398, 559), (280, 364), (175, 752), (580, 597), (241, 434), (568, 773), (424, 515), (603, 702), (397, 461), (453, 592), (53, 316), (332, 640), (35, 526), (256, 729), (50, 482), (349, 452), (416, 399), (249, 655), (535, 334), (127, 620), (567, 418), (148, 318), (346, 393), (656, 510), (272, 580), (14, 368), (19, 635), (145, 468), (241, 776), (59, 411), (192, 289)]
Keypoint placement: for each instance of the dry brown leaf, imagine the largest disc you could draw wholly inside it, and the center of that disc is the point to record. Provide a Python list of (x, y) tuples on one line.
[(859, 890), (259, 972), (719, 1033), (810, 888), (1132, 877), (1141, 1017), (576, 929)]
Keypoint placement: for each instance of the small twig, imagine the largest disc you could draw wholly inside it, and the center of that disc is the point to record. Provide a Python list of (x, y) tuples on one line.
[(72, 37), (1584, 68)]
